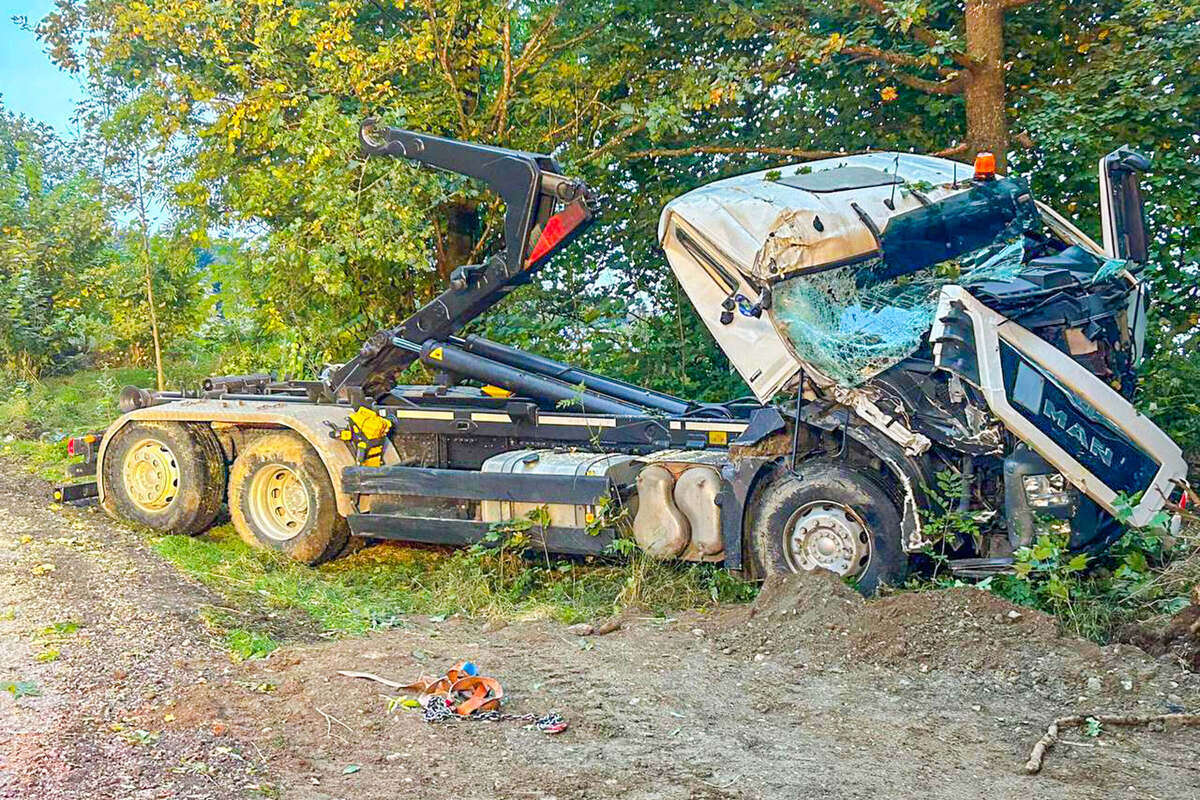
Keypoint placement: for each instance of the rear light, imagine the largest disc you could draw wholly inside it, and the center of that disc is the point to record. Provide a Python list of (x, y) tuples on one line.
[(985, 166), (558, 230), (80, 445)]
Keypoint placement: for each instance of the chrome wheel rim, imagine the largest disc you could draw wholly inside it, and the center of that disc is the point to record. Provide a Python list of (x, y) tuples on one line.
[(829, 536), (278, 502), (151, 475)]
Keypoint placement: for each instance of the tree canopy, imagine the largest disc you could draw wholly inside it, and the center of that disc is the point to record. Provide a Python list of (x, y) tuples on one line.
[(245, 115)]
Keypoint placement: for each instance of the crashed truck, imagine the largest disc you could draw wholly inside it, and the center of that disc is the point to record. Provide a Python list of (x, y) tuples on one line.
[(895, 317)]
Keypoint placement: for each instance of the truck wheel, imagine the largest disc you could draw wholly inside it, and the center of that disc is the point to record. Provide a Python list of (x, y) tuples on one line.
[(281, 498), (168, 476), (829, 516)]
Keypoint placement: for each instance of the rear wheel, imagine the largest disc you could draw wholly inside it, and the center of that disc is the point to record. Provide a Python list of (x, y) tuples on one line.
[(281, 498), (830, 516), (169, 476)]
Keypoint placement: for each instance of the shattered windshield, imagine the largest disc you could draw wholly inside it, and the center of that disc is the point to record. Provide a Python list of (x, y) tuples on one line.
[(850, 326)]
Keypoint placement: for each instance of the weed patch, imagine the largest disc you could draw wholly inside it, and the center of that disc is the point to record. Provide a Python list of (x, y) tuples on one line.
[(244, 645), (47, 460), (377, 586), (1145, 576)]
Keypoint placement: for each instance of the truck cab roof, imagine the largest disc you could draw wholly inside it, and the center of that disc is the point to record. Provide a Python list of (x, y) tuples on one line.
[(818, 212)]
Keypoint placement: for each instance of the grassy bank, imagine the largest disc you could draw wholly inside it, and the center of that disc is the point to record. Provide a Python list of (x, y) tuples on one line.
[(379, 585), (36, 416)]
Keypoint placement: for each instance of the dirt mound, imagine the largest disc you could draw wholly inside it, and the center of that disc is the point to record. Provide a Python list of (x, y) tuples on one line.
[(808, 600), (1180, 637), (807, 608), (956, 627), (961, 635)]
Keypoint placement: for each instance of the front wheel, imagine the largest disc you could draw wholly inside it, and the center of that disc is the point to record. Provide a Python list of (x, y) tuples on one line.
[(281, 498), (832, 516)]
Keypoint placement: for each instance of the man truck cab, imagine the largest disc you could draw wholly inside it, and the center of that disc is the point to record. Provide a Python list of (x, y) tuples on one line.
[(896, 316)]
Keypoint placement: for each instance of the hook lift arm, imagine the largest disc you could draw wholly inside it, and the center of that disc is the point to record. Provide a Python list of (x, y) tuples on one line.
[(532, 188)]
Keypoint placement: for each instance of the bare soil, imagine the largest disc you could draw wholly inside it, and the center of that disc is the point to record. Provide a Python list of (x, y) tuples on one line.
[(810, 692)]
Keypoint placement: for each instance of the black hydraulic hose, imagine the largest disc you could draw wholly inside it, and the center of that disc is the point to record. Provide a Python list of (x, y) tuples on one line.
[(548, 367), (452, 359)]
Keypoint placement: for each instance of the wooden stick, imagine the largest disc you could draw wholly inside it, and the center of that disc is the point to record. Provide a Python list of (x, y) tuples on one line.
[(329, 720), (370, 677), (1038, 754)]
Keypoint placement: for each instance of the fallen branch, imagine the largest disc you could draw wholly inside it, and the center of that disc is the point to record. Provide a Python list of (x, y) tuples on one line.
[(1038, 754), (329, 720), (370, 677)]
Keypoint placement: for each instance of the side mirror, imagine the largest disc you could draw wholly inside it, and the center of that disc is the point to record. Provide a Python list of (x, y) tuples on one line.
[(1122, 212)]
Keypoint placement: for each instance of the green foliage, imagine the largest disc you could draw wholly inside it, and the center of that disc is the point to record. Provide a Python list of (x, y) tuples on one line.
[(19, 689), (1167, 392), (246, 645), (53, 238), (1050, 570), (72, 284), (1146, 575), (946, 523), (1143, 575), (268, 97), (53, 408)]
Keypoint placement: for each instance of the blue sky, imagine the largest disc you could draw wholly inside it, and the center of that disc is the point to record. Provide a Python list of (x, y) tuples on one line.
[(29, 83)]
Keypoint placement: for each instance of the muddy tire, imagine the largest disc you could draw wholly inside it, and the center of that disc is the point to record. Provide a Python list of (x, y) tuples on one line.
[(832, 516), (169, 476), (281, 498)]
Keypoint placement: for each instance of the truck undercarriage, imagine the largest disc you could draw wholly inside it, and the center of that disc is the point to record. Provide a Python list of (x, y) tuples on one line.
[(893, 319)]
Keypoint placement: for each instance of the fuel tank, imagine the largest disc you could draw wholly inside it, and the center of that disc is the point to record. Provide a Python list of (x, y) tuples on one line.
[(677, 512), (620, 468)]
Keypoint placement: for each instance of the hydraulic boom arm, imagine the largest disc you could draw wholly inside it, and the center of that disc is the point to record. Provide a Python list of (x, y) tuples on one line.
[(532, 188)]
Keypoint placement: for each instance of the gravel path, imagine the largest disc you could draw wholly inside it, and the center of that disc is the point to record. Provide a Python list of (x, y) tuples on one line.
[(130, 641)]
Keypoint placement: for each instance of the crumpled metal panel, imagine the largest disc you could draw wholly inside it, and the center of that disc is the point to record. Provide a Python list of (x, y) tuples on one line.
[(740, 214)]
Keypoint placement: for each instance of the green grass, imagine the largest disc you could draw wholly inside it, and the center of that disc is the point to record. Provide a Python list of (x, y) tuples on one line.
[(377, 586), (47, 460), (51, 409), (54, 408), (244, 645)]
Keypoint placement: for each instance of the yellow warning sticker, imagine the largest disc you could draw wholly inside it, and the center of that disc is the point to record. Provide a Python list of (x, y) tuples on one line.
[(436, 354), (718, 437)]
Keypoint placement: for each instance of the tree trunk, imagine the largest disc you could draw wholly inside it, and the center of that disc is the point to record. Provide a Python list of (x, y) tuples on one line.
[(462, 225), (141, 198), (987, 127)]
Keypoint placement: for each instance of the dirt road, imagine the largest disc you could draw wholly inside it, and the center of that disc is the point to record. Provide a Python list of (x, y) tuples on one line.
[(811, 693)]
